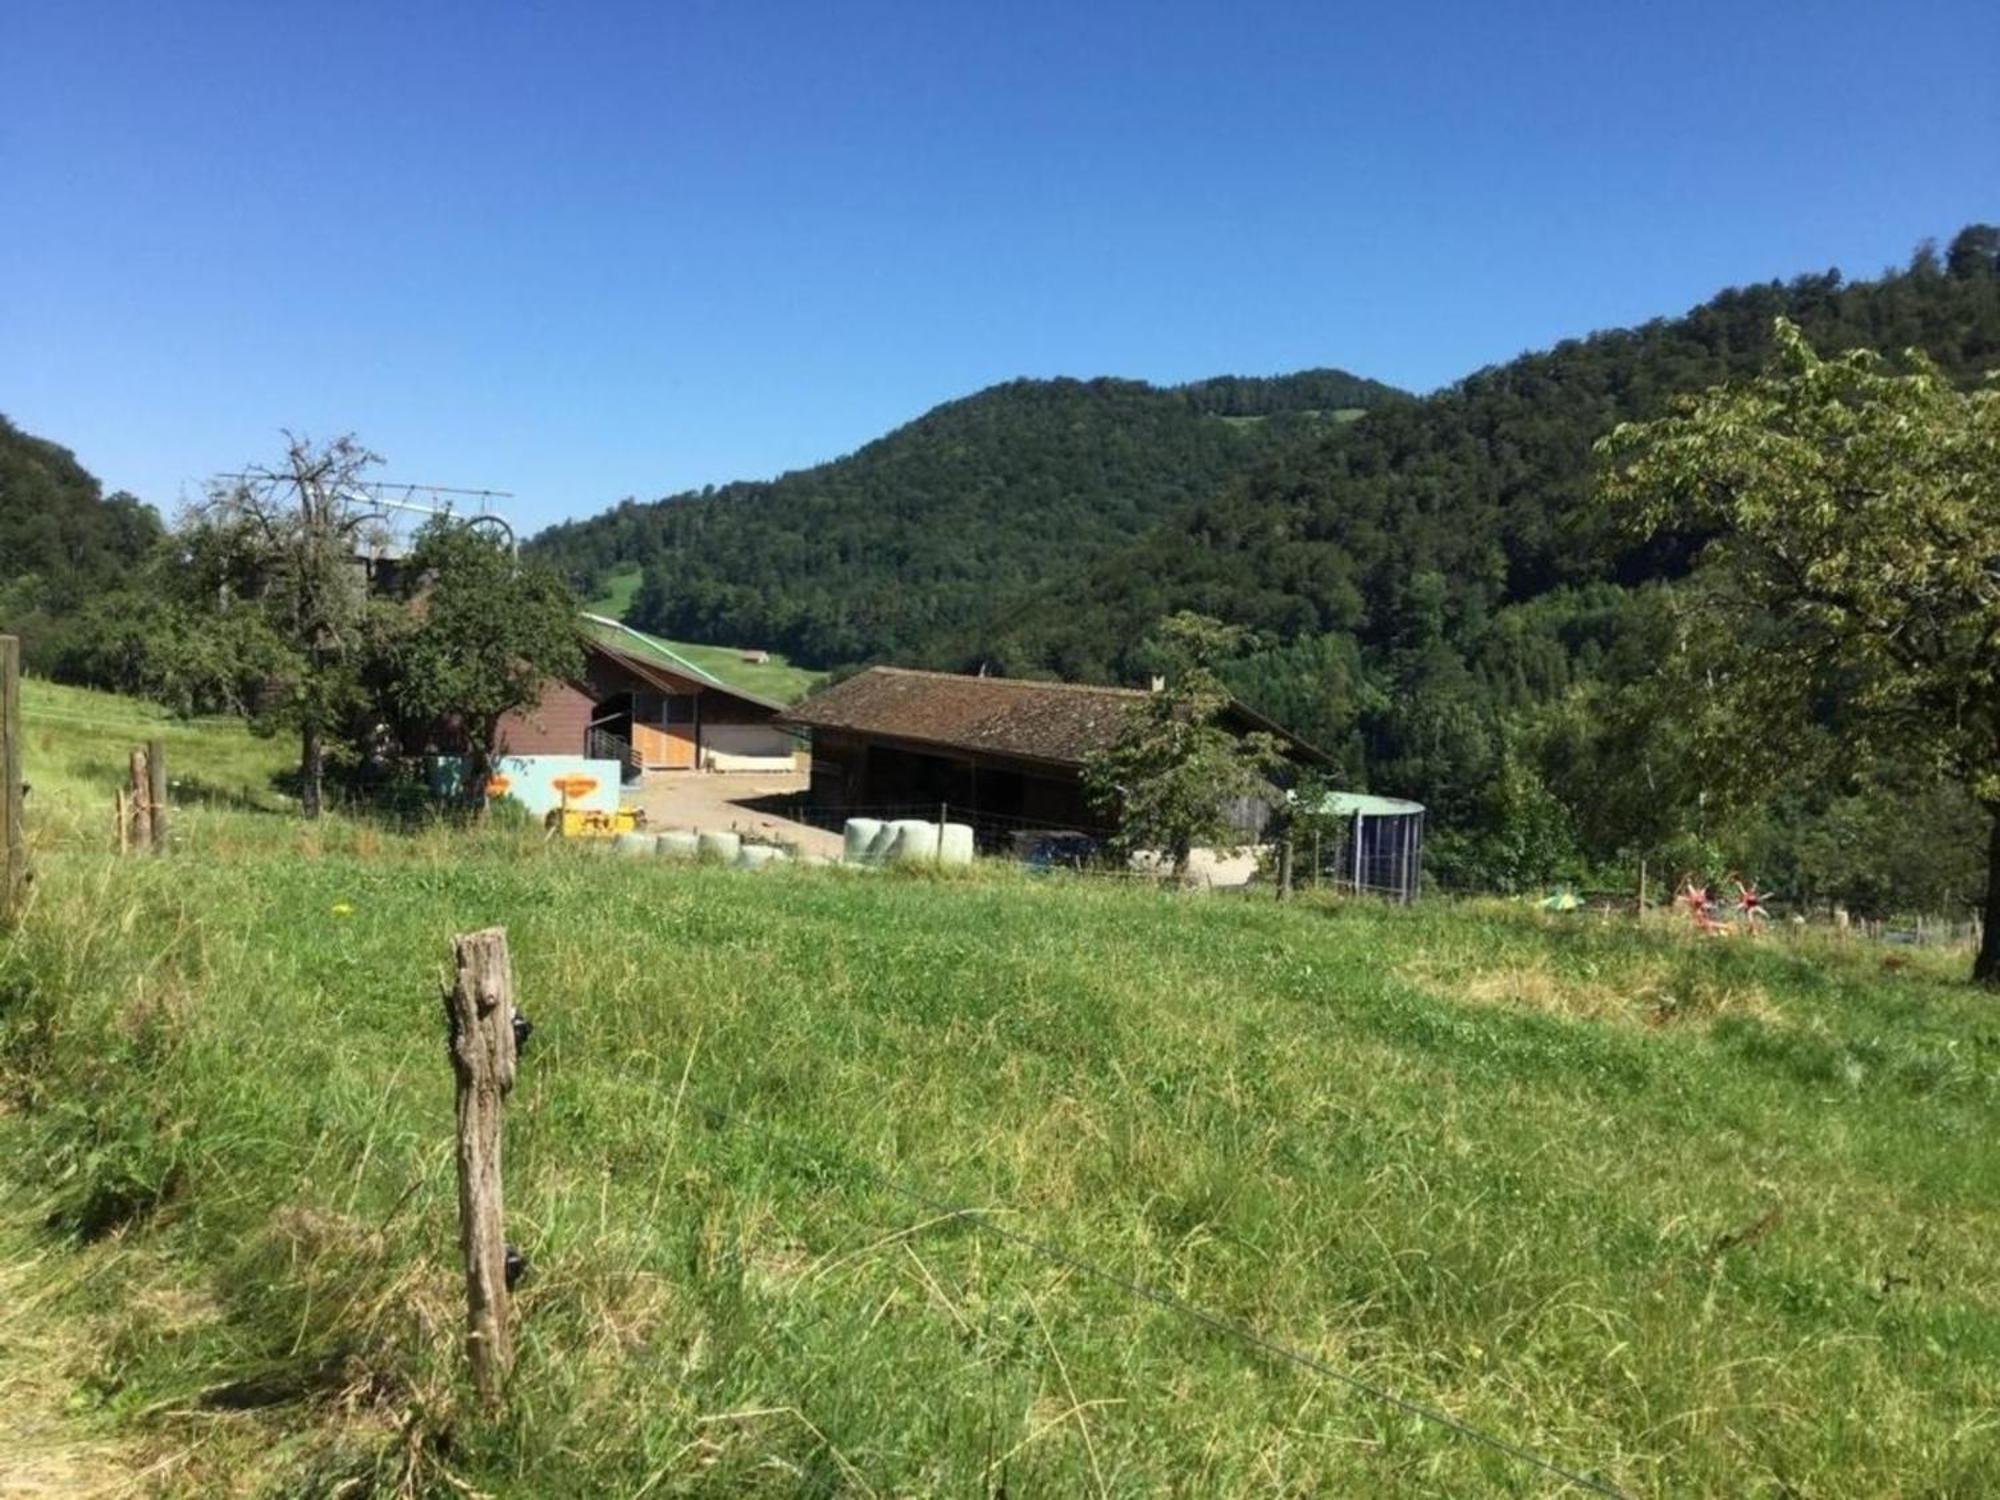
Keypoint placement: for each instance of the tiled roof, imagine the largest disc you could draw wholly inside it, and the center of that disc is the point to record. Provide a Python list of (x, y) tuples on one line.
[(1060, 722)]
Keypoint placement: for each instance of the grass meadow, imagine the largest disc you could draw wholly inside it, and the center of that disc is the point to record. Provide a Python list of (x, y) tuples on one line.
[(1689, 1219), (777, 678)]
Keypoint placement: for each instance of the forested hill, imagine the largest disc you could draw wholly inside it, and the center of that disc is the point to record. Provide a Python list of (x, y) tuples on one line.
[(62, 541), (1430, 515), (926, 534)]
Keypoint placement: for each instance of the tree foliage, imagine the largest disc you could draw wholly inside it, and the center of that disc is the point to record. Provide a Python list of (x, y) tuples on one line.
[(486, 631), (275, 553), (1848, 573), (63, 545), (914, 545), (1175, 773)]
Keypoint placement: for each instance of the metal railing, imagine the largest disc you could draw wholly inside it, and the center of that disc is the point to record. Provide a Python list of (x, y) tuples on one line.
[(602, 744)]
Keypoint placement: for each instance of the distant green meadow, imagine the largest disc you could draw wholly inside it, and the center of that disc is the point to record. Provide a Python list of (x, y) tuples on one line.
[(1688, 1218), (774, 678)]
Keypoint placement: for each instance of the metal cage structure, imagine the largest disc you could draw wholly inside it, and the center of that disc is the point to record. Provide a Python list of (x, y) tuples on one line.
[(1380, 851)]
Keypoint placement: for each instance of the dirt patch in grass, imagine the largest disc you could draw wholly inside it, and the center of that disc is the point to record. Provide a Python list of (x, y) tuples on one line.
[(46, 1447)]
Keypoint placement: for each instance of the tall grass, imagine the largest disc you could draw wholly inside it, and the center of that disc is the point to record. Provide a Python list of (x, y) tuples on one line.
[(1692, 1219)]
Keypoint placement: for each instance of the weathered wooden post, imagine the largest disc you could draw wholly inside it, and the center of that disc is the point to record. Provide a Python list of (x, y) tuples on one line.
[(140, 799), (13, 836), (156, 791), (481, 1006), (1285, 868)]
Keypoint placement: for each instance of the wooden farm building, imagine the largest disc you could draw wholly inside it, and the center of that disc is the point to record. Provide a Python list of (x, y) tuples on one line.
[(638, 702), (998, 752)]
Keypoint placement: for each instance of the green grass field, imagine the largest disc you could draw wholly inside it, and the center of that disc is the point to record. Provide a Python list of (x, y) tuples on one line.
[(621, 587), (776, 678), (1691, 1219)]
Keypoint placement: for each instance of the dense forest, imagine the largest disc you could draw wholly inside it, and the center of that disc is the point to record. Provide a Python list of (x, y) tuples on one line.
[(925, 535), (63, 544), (1438, 598)]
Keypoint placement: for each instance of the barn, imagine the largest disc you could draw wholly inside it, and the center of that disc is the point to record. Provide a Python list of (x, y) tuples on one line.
[(642, 704), (1001, 753)]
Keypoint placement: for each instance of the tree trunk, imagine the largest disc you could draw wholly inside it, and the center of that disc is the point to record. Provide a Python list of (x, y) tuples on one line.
[(312, 770), (1986, 967), (479, 771)]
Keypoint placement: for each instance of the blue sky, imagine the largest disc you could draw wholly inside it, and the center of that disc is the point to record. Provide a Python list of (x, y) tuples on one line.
[(588, 251)]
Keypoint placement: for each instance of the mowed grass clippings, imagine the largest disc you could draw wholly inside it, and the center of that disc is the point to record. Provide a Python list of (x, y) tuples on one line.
[(1688, 1218)]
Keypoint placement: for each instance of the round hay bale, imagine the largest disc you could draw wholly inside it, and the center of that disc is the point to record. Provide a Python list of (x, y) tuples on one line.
[(679, 845), (916, 842), (858, 837), (720, 846)]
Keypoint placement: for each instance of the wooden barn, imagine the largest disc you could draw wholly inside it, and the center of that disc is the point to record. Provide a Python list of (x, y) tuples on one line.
[(998, 752), (639, 703)]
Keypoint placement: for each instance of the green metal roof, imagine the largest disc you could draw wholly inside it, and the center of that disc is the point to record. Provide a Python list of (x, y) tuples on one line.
[(636, 645), (1347, 804), (622, 637)]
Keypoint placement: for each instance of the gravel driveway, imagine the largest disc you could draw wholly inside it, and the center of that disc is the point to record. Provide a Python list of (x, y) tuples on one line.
[(713, 801)]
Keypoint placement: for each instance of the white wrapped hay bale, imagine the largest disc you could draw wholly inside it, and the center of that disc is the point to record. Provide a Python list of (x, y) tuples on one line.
[(857, 838), (915, 842), (679, 845), (955, 847), (633, 843), (755, 856), (720, 846)]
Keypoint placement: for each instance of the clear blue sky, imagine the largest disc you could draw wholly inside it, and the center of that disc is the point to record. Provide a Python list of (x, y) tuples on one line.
[(585, 251)]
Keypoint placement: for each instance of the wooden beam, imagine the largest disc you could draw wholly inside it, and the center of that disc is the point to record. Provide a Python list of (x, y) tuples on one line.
[(156, 791)]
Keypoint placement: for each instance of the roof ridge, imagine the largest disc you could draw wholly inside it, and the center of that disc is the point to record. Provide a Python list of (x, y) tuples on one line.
[(1026, 682)]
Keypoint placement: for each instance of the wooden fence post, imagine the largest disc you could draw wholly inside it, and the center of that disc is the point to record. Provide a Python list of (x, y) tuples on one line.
[(156, 791), (13, 837), (481, 1006), (1285, 868), (139, 799)]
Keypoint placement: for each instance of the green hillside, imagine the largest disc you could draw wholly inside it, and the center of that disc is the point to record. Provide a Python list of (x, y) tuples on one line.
[(927, 532), (617, 588), (1682, 1217), (775, 678), (63, 544), (1485, 487)]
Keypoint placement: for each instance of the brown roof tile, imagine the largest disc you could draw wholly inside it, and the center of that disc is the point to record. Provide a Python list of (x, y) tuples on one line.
[(1061, 722)]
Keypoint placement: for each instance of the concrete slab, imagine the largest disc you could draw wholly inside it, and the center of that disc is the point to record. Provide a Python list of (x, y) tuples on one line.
[(713, 801)]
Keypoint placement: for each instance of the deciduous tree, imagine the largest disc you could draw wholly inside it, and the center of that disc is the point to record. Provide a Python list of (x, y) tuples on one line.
[(281, 542), (1172, 777), (488, 630), (1849, 572)]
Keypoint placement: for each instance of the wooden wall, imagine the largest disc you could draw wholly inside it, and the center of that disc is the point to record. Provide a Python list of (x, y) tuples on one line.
[(555, 726)]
